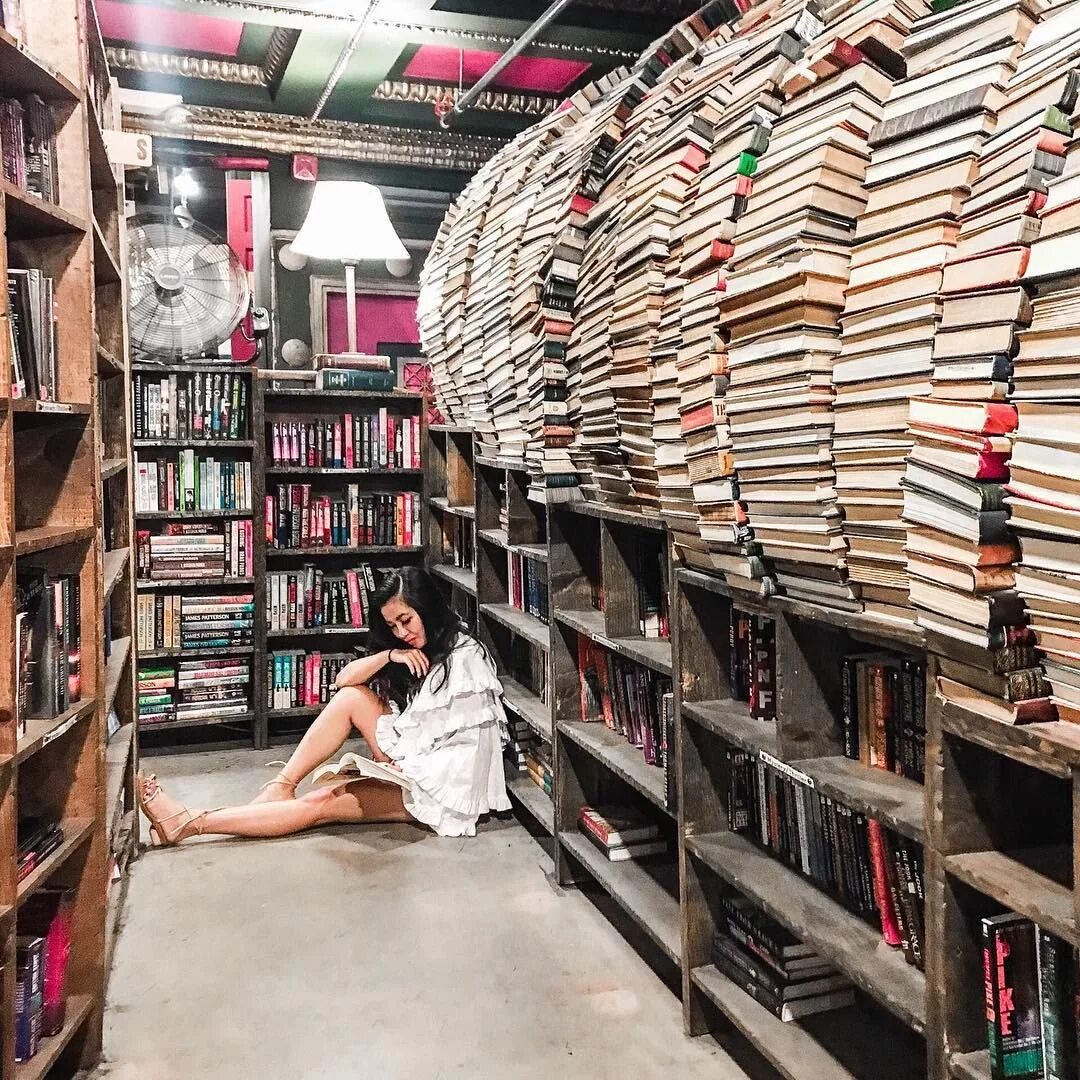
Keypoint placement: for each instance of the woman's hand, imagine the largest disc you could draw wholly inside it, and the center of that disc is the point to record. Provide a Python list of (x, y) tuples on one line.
[(413, 659)]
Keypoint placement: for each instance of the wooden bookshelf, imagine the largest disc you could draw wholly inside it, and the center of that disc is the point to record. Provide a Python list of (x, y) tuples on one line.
[(64, 508)]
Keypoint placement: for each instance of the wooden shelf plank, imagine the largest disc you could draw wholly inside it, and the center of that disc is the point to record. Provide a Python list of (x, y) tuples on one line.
[(651, 906), (370, 395), (45, 537), (216, 444), (323, 470), (190, 515), (29, 217), (195, 654), (789, 1048), (731, 720), (21, 72), (359, 551), (114, 563), (212, 367), (102, 176), (498, 537), (1052, 748), (28, 406), (845, 940), (1020, 888), (107, 363), (76, 832), (440, 502), (299, 713), (451, 429), (620, 756), (520, 622), (111, 467), (612, 513), (76, 1012), (145, 727), (106, 267), (117, 759), (973, 1066), (114, 669), (39, 733), (524, 703), (535, 801), (654, 653), (318, 631), (491, 462), (191, 583), (459, 576)]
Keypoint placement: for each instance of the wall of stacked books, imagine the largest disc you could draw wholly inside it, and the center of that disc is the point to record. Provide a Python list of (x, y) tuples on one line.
[(789, 310)]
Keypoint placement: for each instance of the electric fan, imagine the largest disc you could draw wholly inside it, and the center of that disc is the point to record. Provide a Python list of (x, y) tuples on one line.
[(187, 289)]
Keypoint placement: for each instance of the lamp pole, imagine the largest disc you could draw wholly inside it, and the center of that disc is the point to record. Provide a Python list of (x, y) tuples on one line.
[(350, 303)]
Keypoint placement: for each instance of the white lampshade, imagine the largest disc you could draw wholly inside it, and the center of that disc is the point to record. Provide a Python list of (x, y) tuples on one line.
[(347, 222)]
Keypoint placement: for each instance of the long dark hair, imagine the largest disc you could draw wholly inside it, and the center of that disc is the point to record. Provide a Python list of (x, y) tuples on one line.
[(442, 626)]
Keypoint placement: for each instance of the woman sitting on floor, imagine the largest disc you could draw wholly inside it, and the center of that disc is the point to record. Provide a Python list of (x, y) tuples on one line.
[(445, 731)]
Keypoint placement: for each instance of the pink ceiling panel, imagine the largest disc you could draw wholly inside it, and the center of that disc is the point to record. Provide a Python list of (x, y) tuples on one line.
[(540, 74), (161, 28)]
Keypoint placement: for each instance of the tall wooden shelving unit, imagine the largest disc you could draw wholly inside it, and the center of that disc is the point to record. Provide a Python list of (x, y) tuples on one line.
[(51, 463), (998, 815)]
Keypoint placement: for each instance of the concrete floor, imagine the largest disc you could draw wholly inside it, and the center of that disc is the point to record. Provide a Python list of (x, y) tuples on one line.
[(375, 952)]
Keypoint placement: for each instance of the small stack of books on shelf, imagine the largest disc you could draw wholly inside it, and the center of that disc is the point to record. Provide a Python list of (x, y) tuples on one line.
[(28, 146), (214, 621), (191, 405), (1032, 996), (873, 872), (621, 833), (309, 597), (538, 766), (193, 690), (299, 517), (298, 679), (526, 584), (376, 440), (522, 740), (190, 483), (772, 965), (33, 335), (628, 697), (38, 838), (884, 712), (752, 662), (345, 371), (195, 551), (47, 644), (42, 955)]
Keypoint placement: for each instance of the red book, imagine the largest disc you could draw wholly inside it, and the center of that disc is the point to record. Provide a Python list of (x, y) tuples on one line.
[(694, 158), (744, 185), (847, 55), (722, 250), (981, 417), (391, 442), (352, 584), (349, 451), (697, 419), (581, 204), (890, 928)]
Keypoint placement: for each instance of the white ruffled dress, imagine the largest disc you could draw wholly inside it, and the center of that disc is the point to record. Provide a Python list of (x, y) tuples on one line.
[(448, 742)]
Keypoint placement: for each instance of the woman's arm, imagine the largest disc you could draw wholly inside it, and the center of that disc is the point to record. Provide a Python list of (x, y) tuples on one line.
[(360, 672)]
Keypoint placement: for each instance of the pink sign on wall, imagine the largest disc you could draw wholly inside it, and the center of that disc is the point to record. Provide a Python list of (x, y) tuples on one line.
[(378, 318)]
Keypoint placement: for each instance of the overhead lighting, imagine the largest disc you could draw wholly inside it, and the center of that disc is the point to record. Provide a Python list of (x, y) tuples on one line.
[(185, 186)]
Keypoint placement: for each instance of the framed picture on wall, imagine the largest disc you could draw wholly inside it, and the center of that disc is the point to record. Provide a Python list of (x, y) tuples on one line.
[(385, 311)]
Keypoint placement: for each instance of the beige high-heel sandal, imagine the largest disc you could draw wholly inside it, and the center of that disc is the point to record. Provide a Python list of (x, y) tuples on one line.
[(281, 778), (147, 790)]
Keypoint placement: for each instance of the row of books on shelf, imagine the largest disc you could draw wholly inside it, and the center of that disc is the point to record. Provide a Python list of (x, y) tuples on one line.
[(522, 740), (297, 517), (191, 482), (526, 581), (621, 833), (309, 597), (194, 690), (629, 698), (48, 644), (538, 766), (42, 946), (884, 712), (458, 546), (772, 965), (752, 662), (1032, 996), (873, 872), (171, 621), (196, 551), (376, 440), (192, 405), (28, 146), (296, 678), (33, 335)]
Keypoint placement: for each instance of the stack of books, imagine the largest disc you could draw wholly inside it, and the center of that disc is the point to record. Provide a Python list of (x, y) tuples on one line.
[(48, 644), (190, 482), (213, 621), (33, 335), (353, 371), (28, 146), (924, 157), (772, 965), (303, 518), (194, 690), (538, 766), (38, 838), (955, 483), (1031, 992), (309, 597), (195, 551), (195, 405), (379, 439), (297, 679), (621, 832), (752, 662), (521, 741)]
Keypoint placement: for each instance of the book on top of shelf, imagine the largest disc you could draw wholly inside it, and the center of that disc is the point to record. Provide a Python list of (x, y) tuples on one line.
[(1011, 984), (351, 361), (191, 405), (617, 826)]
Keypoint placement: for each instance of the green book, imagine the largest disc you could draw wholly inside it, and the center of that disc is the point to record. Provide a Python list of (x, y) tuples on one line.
[(747, 164)]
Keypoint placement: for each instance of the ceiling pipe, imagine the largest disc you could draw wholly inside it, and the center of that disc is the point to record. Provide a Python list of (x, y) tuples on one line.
[(496, 69), (343, 59)]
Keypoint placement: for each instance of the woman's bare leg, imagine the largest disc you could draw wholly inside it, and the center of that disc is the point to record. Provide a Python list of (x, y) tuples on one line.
[(368, 801), (351, 707)]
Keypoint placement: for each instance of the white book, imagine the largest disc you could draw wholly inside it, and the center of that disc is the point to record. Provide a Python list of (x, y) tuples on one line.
[(352, 767)]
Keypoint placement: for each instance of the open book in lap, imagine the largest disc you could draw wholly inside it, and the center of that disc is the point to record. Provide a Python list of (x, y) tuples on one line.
[(352, 767)]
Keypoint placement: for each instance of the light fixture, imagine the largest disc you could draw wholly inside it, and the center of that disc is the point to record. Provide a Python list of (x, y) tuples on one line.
[(185, 185), (347, 222)]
